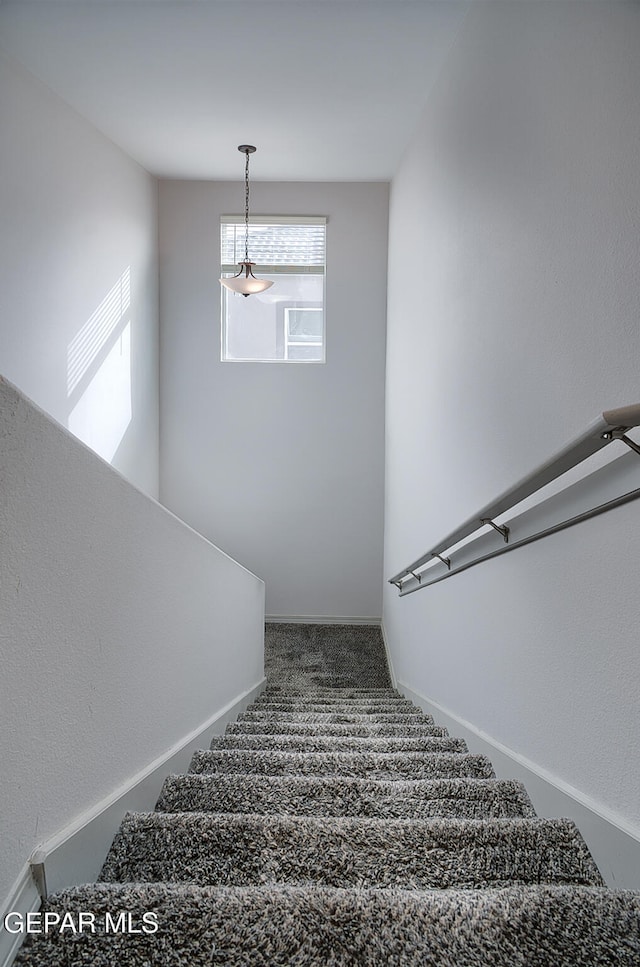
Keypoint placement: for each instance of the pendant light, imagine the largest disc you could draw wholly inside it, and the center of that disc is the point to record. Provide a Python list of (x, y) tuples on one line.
[(245, 282)]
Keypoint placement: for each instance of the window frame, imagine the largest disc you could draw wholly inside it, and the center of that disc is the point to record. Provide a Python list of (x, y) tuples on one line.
[(288, 341), (268, 270)]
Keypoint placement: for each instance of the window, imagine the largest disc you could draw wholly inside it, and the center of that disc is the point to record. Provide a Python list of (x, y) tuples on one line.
[(285, 323)]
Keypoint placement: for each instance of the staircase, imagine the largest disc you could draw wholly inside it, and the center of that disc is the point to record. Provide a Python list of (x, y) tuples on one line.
[(336, 824)]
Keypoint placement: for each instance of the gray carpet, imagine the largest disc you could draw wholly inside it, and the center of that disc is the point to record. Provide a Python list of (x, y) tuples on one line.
[(338, 656), (343, 796), (244, 850), (363, 729), (335, 824), (384, 765), (280, 926)]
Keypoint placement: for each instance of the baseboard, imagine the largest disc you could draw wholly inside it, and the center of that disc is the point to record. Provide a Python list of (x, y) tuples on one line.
[(392, 673), (318, 619), (76, 854), (614, 843), (23, 898)]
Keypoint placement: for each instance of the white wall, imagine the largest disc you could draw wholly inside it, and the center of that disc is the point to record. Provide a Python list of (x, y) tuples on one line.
[(123, 631), (520, 199), (281, 465), (78, 276)]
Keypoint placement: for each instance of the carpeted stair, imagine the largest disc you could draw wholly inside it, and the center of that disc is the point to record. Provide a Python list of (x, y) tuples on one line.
[(335, 824)]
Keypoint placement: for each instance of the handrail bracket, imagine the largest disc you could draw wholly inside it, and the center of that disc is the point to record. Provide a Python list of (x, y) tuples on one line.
[(445, 560), (620, 433), (504, 530)]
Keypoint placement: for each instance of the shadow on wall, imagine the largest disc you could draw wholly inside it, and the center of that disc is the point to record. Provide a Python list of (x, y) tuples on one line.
[(99, 372)]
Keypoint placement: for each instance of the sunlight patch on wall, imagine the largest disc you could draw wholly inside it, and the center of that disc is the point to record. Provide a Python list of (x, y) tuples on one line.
[(99, 373), (103, 412), (87, 344)]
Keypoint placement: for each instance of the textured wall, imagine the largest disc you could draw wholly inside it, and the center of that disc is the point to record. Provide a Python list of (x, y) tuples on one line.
[(282, 465), (78, 276), (520, 199), (122, 630)]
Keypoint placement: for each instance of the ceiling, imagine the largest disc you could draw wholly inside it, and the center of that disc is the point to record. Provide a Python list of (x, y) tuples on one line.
[(328, 90)]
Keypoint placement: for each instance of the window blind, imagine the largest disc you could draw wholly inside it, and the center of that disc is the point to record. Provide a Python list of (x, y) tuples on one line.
[(278, 245)]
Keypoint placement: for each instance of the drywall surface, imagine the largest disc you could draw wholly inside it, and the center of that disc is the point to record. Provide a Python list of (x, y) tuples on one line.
[(122, 630), (615, 851), (280, 464), (78, 276), (520, 200)]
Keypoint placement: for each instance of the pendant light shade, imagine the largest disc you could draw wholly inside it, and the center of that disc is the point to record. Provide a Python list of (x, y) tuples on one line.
[(244, 281)]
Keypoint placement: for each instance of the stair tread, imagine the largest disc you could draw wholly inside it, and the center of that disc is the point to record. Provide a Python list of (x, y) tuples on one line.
[(374, 765), (208, 848), (418, 718), (363, 701), (319, 743), (347, 692), (519, 926), (364, 730), (396, 706), (330, 796)]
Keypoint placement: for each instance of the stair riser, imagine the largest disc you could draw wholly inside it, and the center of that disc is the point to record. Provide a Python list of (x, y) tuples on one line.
[(356, 731), (437, 854), (318, 927), (352, 708), (376, 694), (313, 796), (336, 698), (332, 744), (416, 765), (338, 718)]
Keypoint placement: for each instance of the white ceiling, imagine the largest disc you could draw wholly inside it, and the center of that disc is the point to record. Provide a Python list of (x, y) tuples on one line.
[(328, 90)]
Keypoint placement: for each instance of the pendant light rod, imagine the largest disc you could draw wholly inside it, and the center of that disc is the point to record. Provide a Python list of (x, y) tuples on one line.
[(247, 284), (247, 150)]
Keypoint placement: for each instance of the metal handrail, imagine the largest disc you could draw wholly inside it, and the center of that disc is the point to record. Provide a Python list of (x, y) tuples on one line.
[(612, 425)]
